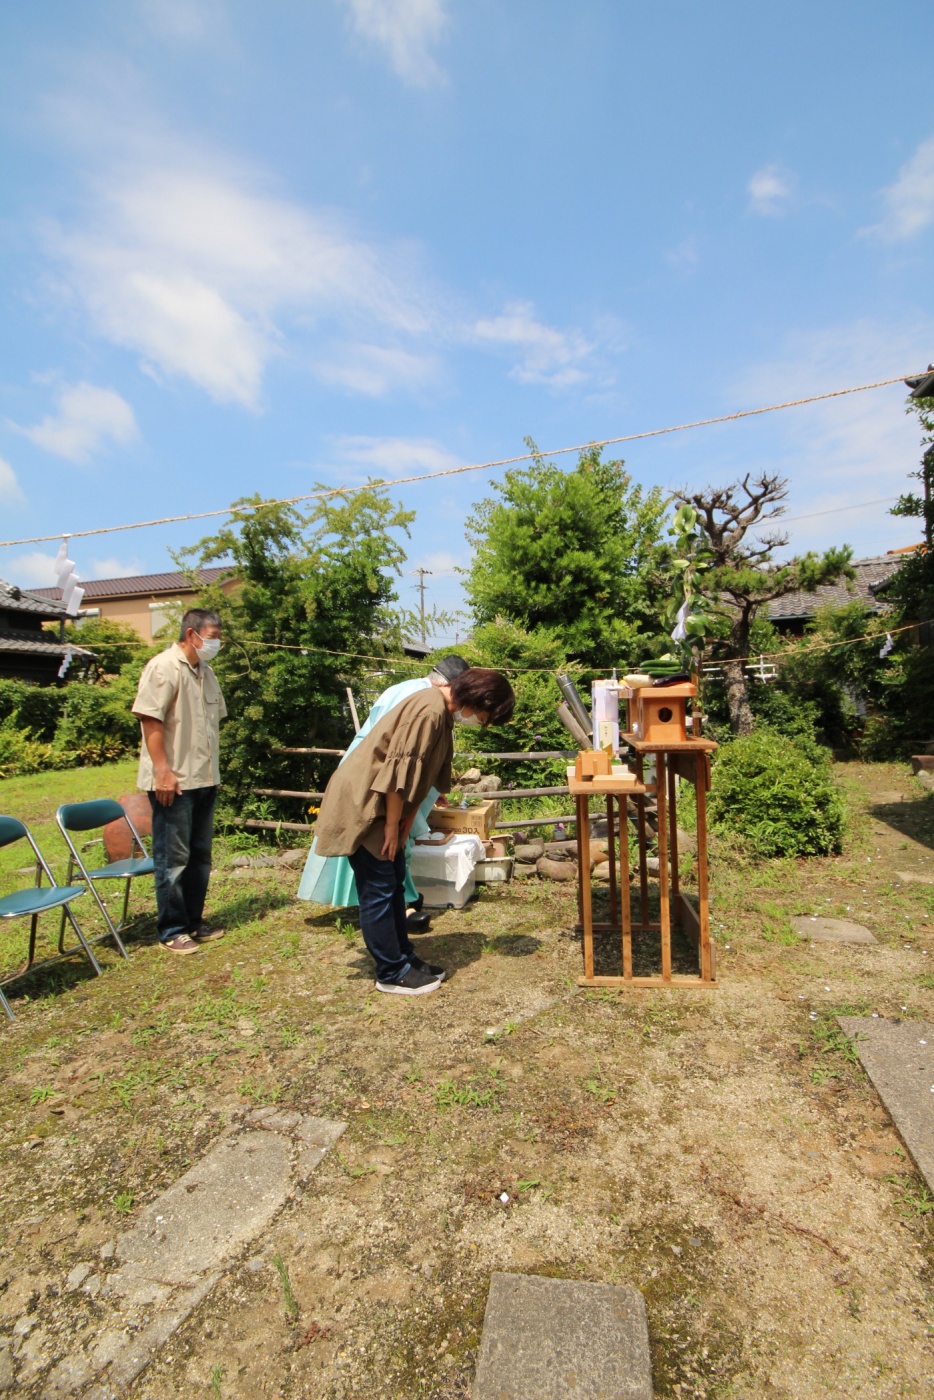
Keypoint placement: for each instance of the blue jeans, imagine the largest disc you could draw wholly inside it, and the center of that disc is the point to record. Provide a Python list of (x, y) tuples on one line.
[(381, 891), (181, 853)]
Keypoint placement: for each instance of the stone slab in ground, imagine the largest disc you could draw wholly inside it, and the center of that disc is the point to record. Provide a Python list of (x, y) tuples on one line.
[(898, 1056), (183, 1242), (558, 1339), (914, 877), (822, 930)]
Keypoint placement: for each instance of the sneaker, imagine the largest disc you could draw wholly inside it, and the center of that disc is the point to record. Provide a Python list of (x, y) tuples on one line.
[(432, 971), (416, 982), (181, 943), (204, 933)]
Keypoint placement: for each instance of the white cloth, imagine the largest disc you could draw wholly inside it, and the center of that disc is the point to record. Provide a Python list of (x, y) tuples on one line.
[(453, 862)]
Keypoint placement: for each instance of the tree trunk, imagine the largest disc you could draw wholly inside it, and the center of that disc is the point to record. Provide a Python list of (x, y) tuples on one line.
[(737, 697)]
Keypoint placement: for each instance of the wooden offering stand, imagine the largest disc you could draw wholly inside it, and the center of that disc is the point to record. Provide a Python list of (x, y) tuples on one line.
[(659, 729)]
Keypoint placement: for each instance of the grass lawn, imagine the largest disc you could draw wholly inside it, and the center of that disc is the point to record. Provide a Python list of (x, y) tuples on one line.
[(720, 1150)]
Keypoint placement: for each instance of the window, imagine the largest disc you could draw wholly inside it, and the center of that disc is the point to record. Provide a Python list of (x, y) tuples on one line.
[(159, 615)]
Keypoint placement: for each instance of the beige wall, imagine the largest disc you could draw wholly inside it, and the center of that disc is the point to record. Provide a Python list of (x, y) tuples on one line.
[(137, 612)]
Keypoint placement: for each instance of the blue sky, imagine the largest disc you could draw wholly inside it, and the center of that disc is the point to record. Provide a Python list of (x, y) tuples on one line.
[(252, 247)]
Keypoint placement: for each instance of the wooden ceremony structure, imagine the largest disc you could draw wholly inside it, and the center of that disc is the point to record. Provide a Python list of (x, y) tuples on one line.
[(675, 756)]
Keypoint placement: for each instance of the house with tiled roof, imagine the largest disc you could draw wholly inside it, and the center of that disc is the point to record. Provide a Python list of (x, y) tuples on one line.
[(791, 614), (144, 601), (27, 651)]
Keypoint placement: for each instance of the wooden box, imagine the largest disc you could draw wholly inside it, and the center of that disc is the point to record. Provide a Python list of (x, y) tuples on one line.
[(590, 762), (659, 713), (477, 820)]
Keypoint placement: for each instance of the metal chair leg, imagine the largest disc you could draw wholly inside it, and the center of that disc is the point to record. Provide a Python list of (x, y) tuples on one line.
[(126, 902), (61, 927), (6, 1005), (33, 928), (84, 942)]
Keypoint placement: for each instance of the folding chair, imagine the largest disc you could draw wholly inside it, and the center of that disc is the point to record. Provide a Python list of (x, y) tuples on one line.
[(33, 902), (86, 816)]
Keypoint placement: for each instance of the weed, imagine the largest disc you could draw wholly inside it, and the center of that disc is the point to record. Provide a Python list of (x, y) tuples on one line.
[(346, 930), (415, 1074), (123, 1202), (355, 1172), (217, 1375), (927, 980), (599, 1087), (914, 1198), (249, 1089), (291, 1306), (535, 1183), (289, 946), (290, 1035), (40, 1093), (449, 1094)]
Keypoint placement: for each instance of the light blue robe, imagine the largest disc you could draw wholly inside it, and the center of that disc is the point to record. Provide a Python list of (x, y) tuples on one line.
[(329, 879)]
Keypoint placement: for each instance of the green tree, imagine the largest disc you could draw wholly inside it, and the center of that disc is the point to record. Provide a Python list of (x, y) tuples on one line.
[(912, 588), (742, 575), (577, 552), (315, 603)]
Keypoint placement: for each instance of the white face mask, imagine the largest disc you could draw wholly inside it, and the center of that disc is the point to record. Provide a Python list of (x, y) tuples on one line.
[(209, 647), (471, 721)]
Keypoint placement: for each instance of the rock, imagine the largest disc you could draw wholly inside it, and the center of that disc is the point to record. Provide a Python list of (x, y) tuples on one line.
[(93, 1286), (108, 1249), (473, 775), (914, 877), (118, 842), (601, 871), (240, 863), (554, 1337), (561, 850), (556, 869), (922, 763), (77, 1276), (532, 850), (687, 842), (898, 1056), (263, 862), (831, 931), (6, 1371), (926, 780), (524, 872), (291, 860), (651, 864), (490, 784), (24, 1325)]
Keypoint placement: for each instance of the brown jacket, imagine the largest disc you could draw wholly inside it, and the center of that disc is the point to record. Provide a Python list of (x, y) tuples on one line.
[(409, 751)]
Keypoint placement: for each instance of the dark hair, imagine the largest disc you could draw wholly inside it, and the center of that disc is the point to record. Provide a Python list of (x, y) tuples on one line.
[(485, 690), (451, 666), (198, 618)]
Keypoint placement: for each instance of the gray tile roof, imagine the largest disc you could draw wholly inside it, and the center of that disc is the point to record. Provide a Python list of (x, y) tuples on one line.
[(137, 585), (40, 603), (870, 574), (25, 642)]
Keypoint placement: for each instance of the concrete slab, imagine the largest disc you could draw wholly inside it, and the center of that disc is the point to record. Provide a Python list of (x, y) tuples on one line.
[(556, 1339), (898, 1056), (181, 1245), (914, 877), (821, 930)]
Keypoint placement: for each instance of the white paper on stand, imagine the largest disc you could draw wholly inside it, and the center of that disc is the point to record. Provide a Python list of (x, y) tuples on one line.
[(453, 862)]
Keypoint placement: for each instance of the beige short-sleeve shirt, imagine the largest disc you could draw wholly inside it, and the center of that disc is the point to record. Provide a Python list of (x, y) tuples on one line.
[(188, 701)]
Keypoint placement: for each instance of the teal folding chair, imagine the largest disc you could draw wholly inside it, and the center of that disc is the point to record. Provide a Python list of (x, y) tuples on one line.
[(88, 816), (30, 903)]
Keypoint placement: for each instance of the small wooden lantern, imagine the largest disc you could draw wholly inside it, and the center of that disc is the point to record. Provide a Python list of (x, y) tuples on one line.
[(592, 763), (658, 714)]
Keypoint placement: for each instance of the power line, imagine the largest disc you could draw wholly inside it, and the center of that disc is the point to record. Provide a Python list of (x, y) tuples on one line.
[(385, 485)]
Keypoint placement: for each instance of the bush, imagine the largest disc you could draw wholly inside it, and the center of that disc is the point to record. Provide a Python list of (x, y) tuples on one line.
[(37, 708), (778, 795), (21, 752), (96, 724)]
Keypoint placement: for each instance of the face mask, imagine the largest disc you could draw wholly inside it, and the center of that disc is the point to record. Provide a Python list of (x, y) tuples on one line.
[(472, 722), (209, 648)]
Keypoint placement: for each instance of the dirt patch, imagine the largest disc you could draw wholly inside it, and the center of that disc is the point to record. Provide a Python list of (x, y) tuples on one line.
[(720, 1151)]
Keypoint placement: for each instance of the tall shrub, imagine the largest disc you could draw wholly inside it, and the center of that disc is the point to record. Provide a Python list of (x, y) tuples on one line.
[(778, 795)]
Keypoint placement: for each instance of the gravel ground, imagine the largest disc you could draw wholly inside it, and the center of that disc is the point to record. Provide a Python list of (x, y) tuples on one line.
[(718, 1149)]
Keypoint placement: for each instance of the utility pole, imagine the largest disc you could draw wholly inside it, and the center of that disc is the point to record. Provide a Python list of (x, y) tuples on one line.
[(421, 592)]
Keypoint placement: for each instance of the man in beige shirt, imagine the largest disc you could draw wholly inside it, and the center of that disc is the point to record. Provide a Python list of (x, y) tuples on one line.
[(180, 707)]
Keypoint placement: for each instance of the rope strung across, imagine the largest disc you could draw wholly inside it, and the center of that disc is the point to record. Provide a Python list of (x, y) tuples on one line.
[(383, 485), (395, 663)]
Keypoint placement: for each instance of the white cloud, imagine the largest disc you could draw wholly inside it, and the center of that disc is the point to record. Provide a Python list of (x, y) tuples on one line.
[(184, 21), (10, 491), (375, 370), (395, 456), (33, 570), (910, 201), (770, 191), (113, 568), (845, 451), (88, 418), (547, 356), (685, 257), (441, 564), (407, 30), (200, 273)]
